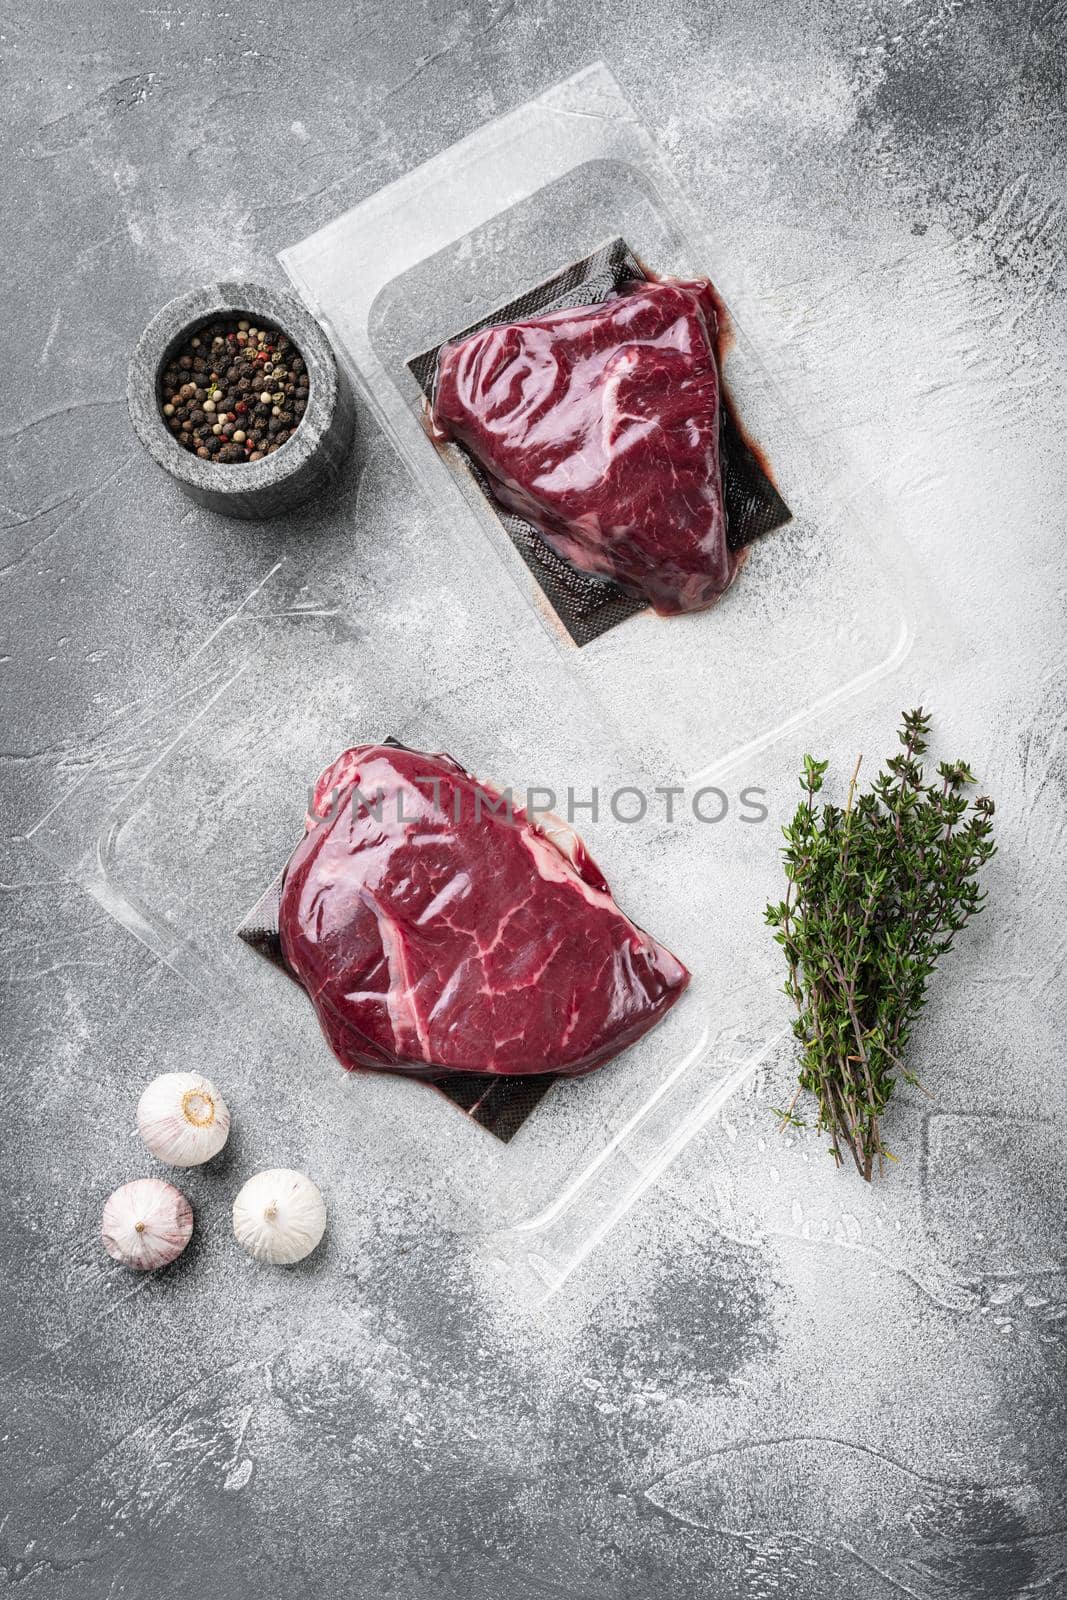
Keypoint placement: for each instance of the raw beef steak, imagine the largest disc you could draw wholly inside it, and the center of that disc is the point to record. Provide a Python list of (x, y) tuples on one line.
[(600, 426), (436, 934)]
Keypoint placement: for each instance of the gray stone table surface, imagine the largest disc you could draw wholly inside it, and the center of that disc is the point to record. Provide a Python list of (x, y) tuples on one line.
[(839, 1394)]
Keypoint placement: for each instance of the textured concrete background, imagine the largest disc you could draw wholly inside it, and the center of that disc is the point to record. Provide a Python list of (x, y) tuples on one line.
[(756, 1386)]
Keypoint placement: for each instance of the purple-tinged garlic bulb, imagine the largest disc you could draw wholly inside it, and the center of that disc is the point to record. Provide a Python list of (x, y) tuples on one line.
[(147, 1224)]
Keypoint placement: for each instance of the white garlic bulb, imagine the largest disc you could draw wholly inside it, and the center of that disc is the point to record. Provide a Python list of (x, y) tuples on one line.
[(279, 1216), (183, 1119), (147, 1224)]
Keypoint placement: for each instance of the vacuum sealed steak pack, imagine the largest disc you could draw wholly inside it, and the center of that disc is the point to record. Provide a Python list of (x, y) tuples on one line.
[(423, 610), (442, 933), (604, 391)]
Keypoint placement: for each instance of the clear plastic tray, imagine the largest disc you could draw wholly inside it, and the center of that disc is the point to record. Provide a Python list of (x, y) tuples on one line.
[(431, 630), (493, 216)]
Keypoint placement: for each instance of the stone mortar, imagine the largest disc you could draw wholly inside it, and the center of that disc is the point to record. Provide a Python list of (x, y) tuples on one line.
[(307, 461)]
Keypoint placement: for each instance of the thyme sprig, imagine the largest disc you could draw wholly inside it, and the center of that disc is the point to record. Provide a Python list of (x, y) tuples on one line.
[(877, 892)]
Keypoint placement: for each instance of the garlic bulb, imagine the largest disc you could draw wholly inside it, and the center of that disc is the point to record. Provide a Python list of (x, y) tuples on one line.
[(183, 1119), (279, 1216), (147, 1224)]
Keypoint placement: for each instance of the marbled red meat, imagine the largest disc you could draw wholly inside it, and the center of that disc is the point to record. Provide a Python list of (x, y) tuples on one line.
[(600, 426), (436, 934)]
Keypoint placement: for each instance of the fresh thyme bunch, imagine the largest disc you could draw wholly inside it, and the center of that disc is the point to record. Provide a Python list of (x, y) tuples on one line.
[(876, 894)]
